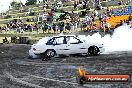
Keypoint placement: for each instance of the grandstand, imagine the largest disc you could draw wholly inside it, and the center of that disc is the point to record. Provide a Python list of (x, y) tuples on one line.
[(126, 12), (34, 12)]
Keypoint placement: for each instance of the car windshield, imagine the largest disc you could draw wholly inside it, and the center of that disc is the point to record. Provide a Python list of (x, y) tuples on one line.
[(43, 40)]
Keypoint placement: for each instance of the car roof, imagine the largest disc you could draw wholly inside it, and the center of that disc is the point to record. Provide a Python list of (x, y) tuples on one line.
[(65, 36)]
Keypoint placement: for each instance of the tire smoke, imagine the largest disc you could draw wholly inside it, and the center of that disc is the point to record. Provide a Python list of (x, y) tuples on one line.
[(121, 40)]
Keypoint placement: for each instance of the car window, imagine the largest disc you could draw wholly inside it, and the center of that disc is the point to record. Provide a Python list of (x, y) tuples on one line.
[(72, 40), (50, 42), (59, 40), (56, 41)]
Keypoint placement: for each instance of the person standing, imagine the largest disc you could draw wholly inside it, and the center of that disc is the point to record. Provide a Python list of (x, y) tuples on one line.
[(45, 27), (120, 2), (42, 27), (54, 27), (62, 24), (75, 4), (84, 4), (72, 27), (31, 27), (68, 26)]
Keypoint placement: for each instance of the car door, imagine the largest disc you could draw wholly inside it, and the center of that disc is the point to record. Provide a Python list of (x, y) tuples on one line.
[(75, 45), (59, 44)]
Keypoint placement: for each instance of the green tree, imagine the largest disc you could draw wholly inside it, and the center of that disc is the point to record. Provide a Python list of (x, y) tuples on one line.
[(44, 1), (15, 4), (31, 2)]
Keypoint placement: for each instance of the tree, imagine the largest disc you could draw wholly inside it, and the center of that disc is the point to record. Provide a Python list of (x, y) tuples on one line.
[(15, 4), (44, 1), (31, 2)]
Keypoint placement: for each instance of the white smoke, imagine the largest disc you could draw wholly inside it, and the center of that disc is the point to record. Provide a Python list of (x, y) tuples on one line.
[(121, 40)]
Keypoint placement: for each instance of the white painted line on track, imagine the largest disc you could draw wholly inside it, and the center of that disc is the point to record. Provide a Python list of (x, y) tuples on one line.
[(21, 81), (34, 63), (54, 80), (37, 86), (49, 79)]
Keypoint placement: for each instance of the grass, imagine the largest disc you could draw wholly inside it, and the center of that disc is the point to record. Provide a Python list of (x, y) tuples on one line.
[(2, 25), (29, 22), (29, 17)]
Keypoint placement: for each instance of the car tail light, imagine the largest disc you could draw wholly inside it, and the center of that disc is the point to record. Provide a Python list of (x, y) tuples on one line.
[(34, 49)]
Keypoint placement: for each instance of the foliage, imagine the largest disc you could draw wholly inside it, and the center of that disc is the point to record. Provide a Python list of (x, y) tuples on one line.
[(31, 2), (15, 4), (7, 17)]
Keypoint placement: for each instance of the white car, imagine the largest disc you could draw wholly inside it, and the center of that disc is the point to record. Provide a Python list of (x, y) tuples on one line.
[(64, 45)]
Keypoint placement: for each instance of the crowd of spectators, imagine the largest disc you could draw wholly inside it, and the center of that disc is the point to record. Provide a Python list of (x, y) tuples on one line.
[(69, 21)]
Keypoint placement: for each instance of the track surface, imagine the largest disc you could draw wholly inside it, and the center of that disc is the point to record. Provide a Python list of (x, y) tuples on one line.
[(17, 71)]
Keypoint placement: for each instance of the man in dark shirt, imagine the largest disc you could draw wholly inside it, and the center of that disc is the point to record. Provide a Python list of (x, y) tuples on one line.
[(62, 24)]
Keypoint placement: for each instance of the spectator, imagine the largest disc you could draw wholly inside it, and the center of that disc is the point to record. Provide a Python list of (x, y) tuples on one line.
[(54, 27), (0, 29), (105, 18), (37, 27), (60, 4), (100, 17), (88, 9), (95, 13), (106, 26), (94, 28), (120, 2), (45, 27), (130, 18), (62, 24), (68, 26), (49, 28), (75, 4), (93, 18), (42, 26), (44, 17), (101, 26), (84, 4), (75, 24), (18, 29), (72, 27), (8, 29), (31, 28)]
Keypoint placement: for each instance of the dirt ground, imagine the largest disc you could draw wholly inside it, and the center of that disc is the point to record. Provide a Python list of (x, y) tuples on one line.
[(17, 71)]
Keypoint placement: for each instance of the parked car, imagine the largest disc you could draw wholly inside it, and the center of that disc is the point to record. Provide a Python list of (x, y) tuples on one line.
[(64, 45)]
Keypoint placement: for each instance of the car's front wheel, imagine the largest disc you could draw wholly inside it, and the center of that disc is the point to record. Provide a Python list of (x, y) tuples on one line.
[(93, 50), (50, 53)]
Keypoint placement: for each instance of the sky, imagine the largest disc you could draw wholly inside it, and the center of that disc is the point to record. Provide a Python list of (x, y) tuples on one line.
[(4, 4)]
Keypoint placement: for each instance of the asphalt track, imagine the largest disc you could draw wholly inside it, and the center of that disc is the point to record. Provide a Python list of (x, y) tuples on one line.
[(17, 71)]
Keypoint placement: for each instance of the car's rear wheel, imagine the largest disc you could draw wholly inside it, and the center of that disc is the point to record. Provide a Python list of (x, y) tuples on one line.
[(50, 53), (93, 50)]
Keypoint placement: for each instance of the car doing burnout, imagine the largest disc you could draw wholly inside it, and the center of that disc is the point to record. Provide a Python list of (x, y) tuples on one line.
[(64, 45)]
